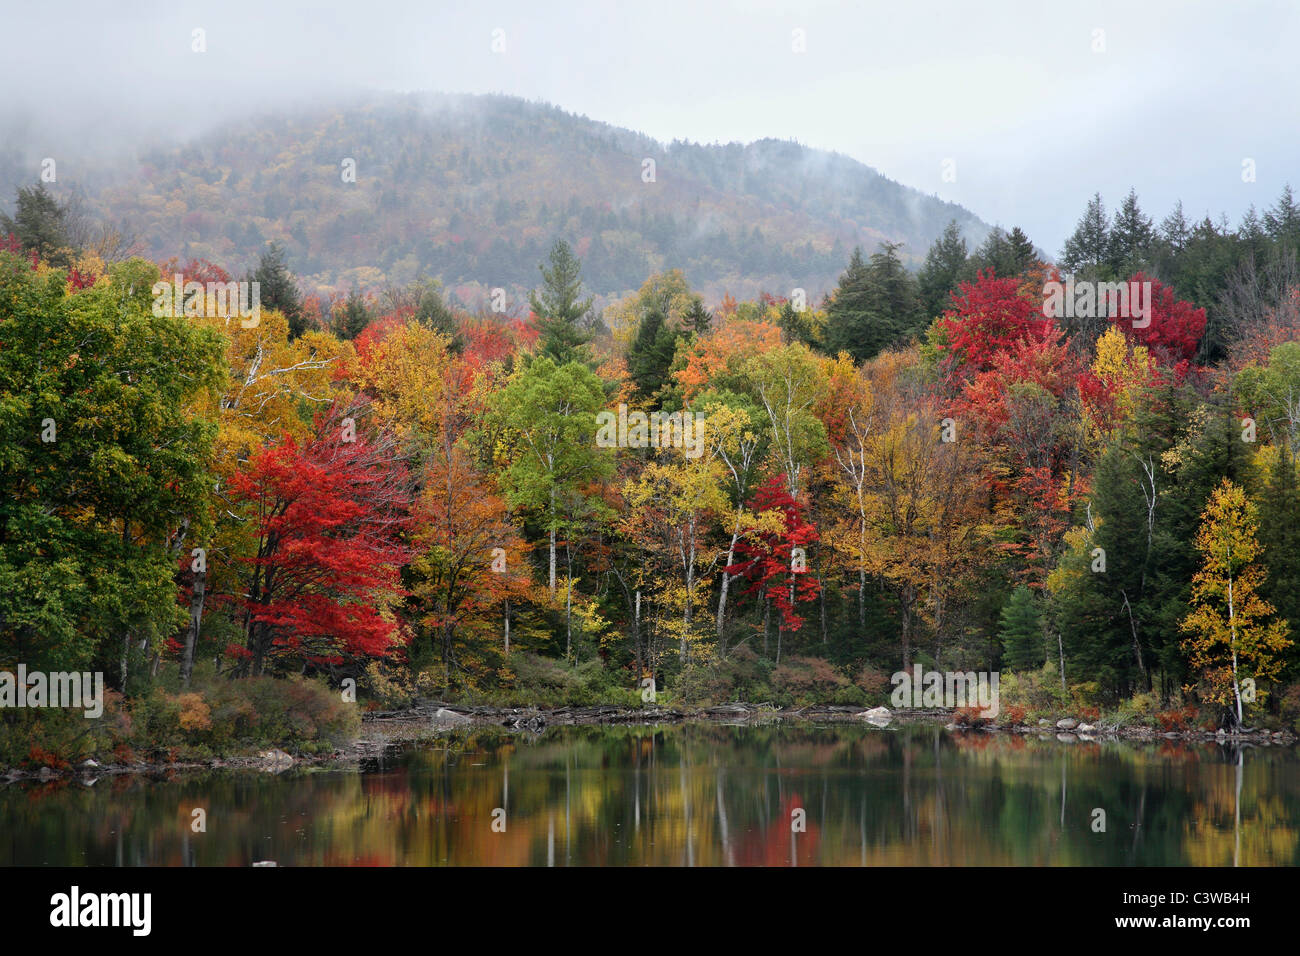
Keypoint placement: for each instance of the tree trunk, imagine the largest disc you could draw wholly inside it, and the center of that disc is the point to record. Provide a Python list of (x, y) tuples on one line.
[(197, 597)]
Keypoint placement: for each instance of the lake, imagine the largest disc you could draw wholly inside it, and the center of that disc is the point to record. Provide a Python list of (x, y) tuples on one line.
[(787, 794)]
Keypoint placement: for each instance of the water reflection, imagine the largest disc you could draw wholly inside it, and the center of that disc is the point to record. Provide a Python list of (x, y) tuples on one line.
[(693, 796)]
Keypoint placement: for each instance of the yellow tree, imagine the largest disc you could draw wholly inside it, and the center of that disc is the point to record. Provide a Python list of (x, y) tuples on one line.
[(669, 508), (1230, 637), (847, 414), (926, 498), (1123, 370)]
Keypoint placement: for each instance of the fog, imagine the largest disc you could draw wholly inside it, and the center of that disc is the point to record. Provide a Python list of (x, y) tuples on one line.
[(1029, 110)]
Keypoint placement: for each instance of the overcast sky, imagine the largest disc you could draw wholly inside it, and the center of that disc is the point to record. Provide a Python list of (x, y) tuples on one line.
[(1037, 105)]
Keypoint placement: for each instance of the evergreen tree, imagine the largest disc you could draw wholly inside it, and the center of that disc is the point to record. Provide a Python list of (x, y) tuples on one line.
[(277, 288), (1022, 632), (1089, 246), (1023, 253), (432, 311), (1279, 537), (559, 308), (39, 225), (1130, 239), (353, 316), (995, 254), (651, 354), (874, 306), (946, 265), (698, 320), (1283, 220)]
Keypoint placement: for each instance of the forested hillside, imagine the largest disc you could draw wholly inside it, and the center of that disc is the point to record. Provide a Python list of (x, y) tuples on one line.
[(472, 190)]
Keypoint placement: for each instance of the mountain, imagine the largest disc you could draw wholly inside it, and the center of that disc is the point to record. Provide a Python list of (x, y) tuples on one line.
[(474, 189)]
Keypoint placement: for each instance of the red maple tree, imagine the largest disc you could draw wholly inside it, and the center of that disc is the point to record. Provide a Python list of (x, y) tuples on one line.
[(328, 519), (767, 559)]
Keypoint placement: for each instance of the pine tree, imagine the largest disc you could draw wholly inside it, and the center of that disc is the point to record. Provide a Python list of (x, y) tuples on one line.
[(874, 306), (995, 254), (946, 265), (354, 315), (1283, 220), (1022, 632), (1023, 253), (1174, 229), (278, 290), (1279, 536), (698, 320), (1089, 246), (432, 311), (39, 225), (559, 308), (1130, 238), (651, 353)]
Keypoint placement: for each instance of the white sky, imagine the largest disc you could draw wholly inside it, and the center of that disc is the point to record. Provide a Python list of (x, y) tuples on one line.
[(1035, 120)]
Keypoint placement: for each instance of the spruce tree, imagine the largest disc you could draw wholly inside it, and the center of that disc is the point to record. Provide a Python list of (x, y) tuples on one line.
[(946, 265), (698, 320), (1023, 253), (1089, 246), (559, 307), (39, 225), (651, 354), (1022, 632), (875, 305), (1130, 239), (277, 289)]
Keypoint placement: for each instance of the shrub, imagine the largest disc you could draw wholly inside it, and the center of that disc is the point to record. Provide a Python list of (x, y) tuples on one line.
[(1180, 718), (807, 680), (1013, 715), (873, 681), (969, 717)]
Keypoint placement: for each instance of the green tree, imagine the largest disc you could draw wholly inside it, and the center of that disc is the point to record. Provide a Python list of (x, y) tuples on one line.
[(1088, 248), (103, 468), (875, 305), (560, 309), (547, 413), (39, 224), (1130, 239), (651, 354), (353, 316), (277, 288), (946, 265), (1022, 632)]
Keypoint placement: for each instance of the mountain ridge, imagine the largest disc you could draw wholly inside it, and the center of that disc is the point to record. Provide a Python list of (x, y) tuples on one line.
[(474, 188)]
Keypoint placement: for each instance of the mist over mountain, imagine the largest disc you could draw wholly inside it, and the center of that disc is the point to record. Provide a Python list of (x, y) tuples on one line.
[(473, 189)]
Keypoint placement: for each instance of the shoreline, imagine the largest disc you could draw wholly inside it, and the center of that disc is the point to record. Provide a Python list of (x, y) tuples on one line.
[(382, 729)]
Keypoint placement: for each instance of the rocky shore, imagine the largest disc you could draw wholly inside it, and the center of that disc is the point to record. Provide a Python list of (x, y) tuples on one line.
[(382, 729)]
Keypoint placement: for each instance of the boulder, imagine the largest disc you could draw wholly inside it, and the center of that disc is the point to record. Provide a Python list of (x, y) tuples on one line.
[(445, 716), (275, 760), (1066, 723), (877, 715), (1085, 728)]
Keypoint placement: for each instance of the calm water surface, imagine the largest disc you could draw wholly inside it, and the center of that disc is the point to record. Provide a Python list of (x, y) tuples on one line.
[(699, 795)]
